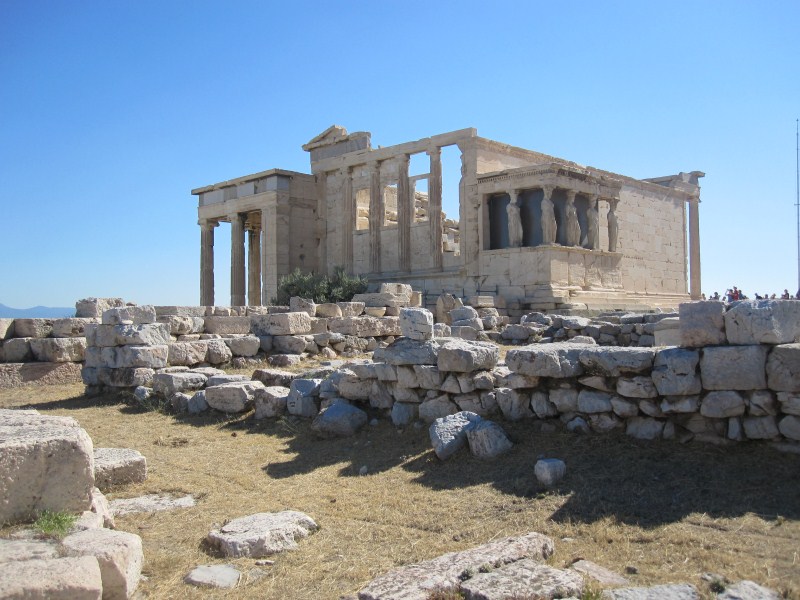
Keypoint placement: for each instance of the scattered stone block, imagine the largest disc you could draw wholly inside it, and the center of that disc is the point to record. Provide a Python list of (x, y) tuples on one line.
[(17, 350), (214, 576), (119, 555), (675, 372), (297, 304), (549, 471), (188, 353), (197, 403), (262, 534), (290, 323), (418, 581), (19, 550), (234, 397), (53, 579), (129, 314), (148, 334), (591, 401), (218, 352), (600, 574), (340, 419), (329, 310), (227, 325), (58, 349), (117, 466), (68, 328), (432, 409), (487, 440), (95, 307), (246, 345), (760, 428), (789, 426), (747, 590), (614, 361), (673, 591), (643, 428), (167, 384), (150, 503), (351, 309), (270, 401), (405, 351), (416, 323), (734, 368), (6, 328), (524, 578), (514, 405), (702, 323), (404, 413), (303, 398), (47, 464), (449, 433)]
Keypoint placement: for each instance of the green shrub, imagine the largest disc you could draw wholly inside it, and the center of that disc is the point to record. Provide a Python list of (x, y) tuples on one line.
[(54, 524), (339, 287)]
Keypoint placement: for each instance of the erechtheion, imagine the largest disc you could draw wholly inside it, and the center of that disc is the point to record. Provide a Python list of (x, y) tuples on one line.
[(532, 228)]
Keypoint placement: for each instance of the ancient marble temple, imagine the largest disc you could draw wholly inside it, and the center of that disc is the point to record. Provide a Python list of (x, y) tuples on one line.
[(531, 228)]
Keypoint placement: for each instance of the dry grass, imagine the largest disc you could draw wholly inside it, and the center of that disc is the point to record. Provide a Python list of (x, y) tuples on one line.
[(671, 511)]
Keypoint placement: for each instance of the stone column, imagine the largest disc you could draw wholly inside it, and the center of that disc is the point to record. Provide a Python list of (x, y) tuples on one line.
[(613, 224), (548, 216), (348, 219), (405, 210), (254, 266), (207, 262), (268, 281), (514, 220), (694, 247), (321, 223), (376, 217), (573, 237), (435, 205), (237, 259)]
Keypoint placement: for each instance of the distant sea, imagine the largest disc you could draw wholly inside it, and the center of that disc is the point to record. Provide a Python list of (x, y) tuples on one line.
[(37, 312)]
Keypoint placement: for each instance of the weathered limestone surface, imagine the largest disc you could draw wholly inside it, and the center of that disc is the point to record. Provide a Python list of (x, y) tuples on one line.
[(270, 401), (464, 356), (339, 420), (291, 323), (58, 349), (365, 326), (234, 397), (763, 322), (487, 440), (187, 353), (549, 471), (405, 351), (148, 334), (95, 307), (68, 328), (33, 328), (523, 578), (303, 398), (747, 590), (675, 372), (783, 368), (214, 576), (53, 579), (119, 555), (19, 374), (129, 314), (120, 357), (19, 550), (734, 368), (598, 573), (449, 434), (557, 360), (416, 323), (6, 328), (262, 534), (115, 466), (47, 464), (167, 384), (616, 361), (418, 581), (702, 323), (675, 591)]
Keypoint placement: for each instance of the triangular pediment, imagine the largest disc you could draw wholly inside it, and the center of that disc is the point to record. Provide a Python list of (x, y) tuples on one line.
[(331, 135)]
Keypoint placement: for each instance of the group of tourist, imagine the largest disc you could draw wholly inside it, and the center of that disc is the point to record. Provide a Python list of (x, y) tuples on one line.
[(735, 293)]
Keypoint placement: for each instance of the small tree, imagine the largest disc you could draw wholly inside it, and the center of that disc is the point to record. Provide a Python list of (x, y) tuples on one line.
[(340, 287)]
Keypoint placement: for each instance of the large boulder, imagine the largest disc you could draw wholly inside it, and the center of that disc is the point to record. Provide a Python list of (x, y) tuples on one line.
[(487, 440), (449, 434), (763, 322), (675, 372), (702, 323), (46, 463), (783, 368), (613, 361), (557, 360), (234, 397), (734, 368), (262, 534), (340, 419), (464, 357)]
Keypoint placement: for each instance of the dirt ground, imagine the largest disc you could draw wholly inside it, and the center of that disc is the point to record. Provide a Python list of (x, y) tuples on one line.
[(667, 511)]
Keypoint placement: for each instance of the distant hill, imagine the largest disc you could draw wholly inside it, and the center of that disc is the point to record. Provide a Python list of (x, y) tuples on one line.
[(37, 312)]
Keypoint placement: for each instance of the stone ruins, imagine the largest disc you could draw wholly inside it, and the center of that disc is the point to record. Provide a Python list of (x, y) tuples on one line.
[(532, 229)]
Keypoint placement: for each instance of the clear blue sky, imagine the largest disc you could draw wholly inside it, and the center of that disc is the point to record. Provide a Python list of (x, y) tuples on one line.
[(111, 112)]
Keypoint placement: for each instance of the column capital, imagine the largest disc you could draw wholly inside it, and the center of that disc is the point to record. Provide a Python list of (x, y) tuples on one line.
[(208, 223), (571, 194), (434, 151), (548, 190)]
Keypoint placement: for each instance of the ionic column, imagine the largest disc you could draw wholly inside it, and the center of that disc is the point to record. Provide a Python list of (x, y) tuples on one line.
[(269, 281), (207, 262), (254, 266), (405, 208), (435, 205), (376, 217), (694, 248), (613, 224), (548, 216), (348, 219), (237, 259)]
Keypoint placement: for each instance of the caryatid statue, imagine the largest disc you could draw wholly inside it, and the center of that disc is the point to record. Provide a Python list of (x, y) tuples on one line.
[(613, 225), (573, 227), (592, 224), (548, 216), (514, 221)]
